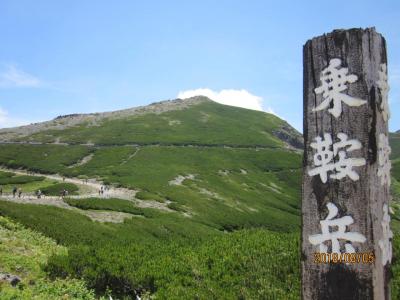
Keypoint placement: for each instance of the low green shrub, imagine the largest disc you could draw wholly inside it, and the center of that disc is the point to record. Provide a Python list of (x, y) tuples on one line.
[(48, 290), (250, 264), (176, 207), (145, 195), (56, 189), (42, 158), (23, 252), (22, 179), (6, 174), (109, 204)]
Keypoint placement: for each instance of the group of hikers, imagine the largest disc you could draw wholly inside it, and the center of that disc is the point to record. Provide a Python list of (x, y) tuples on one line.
[(103, 189), (63, 193), (17, 192)]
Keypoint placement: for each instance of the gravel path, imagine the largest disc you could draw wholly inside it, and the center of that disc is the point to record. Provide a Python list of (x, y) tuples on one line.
[(92, 186), (95, 215)]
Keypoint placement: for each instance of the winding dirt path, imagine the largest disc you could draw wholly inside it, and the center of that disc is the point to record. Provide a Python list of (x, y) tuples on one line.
[(95, 215), (92, 186)]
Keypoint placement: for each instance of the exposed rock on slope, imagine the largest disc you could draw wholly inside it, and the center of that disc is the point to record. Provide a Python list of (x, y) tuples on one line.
[(67, 121), (289, 135)]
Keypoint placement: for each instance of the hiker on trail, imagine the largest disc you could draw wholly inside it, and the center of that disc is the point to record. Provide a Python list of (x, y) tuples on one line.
[(19, 193), (14, 191), (63, 178), (64, 193), (39, 194)]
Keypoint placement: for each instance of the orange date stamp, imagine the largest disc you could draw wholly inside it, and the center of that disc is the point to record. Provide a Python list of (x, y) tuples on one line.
[(344, 258)]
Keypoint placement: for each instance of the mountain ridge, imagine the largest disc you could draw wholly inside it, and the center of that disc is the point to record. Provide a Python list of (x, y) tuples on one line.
[(77, 118), (196, 120)]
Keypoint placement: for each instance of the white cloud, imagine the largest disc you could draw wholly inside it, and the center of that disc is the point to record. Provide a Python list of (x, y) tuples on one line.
[(239, 98), (12, 77), (7, 121), (270, 111)]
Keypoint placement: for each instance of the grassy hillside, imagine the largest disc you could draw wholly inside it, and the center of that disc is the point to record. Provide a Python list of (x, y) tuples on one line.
[(395, 144), (218, 169), (231, 188), (232, 182), (42, 158), (205, 122), (168, 262), (171, 262), (22, 253)]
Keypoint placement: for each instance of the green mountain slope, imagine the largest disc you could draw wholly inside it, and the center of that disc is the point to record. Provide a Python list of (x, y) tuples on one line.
[(395, 144), (22, 252), (216, 168), (198, 121), (237, 166), (231, 188)]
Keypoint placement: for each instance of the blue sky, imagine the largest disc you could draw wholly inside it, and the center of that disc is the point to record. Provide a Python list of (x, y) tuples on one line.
[(61, 57)]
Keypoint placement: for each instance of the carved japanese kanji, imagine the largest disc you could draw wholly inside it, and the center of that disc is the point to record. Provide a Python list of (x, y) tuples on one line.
[(386, 242), (384, 88), (334, 82), (385, 165), (327, 151), (329, 234)]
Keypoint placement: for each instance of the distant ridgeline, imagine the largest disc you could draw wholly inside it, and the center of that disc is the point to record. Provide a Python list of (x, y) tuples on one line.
[(196, 120), (67, 116)]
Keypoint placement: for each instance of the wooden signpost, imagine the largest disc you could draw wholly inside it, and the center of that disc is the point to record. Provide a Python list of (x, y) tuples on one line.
[(346, 237)]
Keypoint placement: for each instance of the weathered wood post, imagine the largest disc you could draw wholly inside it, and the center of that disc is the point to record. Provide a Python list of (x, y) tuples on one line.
[(346, 238)]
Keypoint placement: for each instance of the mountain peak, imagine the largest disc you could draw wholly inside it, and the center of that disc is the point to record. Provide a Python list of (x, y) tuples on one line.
[(196, 120), (178, 101), (155, 107), (93, 119)]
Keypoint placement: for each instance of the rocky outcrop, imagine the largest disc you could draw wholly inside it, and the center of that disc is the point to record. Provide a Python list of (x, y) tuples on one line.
[(290, 136), (11, 279)]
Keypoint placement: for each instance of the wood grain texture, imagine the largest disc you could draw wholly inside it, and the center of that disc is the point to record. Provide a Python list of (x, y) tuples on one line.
[(362, 52)]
